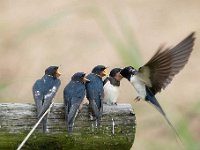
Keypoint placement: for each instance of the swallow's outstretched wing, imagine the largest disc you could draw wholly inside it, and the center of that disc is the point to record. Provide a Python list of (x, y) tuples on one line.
[(159, 71)]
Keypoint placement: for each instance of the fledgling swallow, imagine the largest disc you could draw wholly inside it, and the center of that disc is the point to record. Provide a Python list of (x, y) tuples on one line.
[(159, 71), (44, 90), (95, 93), (111, 86), (74, 94)]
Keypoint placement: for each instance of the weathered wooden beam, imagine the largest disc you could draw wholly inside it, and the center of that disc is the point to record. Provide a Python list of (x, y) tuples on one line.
[(17, 119)]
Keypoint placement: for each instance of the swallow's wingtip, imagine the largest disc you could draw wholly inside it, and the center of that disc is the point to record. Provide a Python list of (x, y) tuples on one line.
[(192, 34)]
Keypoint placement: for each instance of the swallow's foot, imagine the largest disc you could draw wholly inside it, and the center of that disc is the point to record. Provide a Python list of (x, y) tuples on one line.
[(137, 99), (111, 103), (107, 103)]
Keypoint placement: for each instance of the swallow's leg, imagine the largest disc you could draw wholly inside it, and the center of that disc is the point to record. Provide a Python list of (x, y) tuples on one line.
[(113, 103)]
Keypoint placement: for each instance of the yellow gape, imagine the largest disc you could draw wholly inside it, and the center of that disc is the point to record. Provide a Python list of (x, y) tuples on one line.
[(105, 72)]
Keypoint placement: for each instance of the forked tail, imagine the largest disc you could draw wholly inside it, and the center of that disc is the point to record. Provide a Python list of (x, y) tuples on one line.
[(153, 101)]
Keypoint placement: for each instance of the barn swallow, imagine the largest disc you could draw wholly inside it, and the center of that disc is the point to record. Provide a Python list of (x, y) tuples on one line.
[(95, 93), (44, 90), (74, 94), (111, 86), (159, 71)]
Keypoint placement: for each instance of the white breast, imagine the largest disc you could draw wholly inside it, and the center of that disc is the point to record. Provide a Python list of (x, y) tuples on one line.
[(139, 86), (111, 93)]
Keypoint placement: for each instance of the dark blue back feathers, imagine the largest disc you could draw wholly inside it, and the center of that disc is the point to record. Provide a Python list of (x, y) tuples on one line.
[(151, 98), (44, 85), (74, 92), (94, 89)]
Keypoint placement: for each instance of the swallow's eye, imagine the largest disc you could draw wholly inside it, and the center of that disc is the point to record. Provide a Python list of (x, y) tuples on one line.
[(132, 71)]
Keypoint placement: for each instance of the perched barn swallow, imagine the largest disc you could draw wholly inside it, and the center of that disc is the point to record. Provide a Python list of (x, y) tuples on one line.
[(95, 93), (44, 91), (159, 71), (111, 86), (74, 94)]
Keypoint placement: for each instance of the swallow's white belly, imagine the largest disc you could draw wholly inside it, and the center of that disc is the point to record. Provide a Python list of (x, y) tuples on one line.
[(139, 86), (111, 93)]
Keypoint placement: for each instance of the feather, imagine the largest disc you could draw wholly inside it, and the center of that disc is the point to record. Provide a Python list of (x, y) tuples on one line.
[(159, 71), (150, 98)]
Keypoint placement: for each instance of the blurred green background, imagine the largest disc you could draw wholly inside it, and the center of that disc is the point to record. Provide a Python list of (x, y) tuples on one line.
[(81, 34)]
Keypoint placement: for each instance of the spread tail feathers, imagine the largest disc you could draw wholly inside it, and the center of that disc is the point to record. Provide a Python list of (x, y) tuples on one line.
[(153, 101)]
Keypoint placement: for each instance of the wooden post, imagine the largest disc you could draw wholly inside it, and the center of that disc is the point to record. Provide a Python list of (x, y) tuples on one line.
[(16, 120)]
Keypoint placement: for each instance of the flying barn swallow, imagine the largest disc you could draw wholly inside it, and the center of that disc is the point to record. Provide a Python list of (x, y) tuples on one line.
[(159, 71), (44, 90), (74, 94)]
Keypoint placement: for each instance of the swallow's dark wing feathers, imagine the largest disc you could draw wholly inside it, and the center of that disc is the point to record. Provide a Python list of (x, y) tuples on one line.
[(48, 97), (52, 91), (73, 111), (159, 71), (74, 94), (94, 89), (38, 95)]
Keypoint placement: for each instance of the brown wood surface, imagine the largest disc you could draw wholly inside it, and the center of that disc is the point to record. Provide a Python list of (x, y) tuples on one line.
[(17, 117)]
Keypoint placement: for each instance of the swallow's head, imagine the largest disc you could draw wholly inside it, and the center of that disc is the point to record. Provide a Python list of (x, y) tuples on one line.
[(127, 72), (80, 76), (100, 70), (115, 73), (53, 71)]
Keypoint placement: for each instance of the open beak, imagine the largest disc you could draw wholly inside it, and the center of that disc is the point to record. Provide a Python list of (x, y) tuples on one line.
[(58, 74), (105, 72), (120, 75)]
